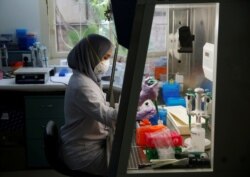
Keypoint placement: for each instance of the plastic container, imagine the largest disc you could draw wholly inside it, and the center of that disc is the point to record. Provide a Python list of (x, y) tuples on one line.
[(163, 138), (162, 116), (31, 39), (24, 39), (160, 68), (198, 138), (151, 153), (162, 142), (21, 33), (176, 101), (154, 119), (170, 90), (166, 153), (21, 38), (141, 133), (22, 43)]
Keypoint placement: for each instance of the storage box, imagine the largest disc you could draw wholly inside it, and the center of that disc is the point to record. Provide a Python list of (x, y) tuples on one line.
[(176, 101), (141, 133), (170, 90), (178, 117), (163, 138)]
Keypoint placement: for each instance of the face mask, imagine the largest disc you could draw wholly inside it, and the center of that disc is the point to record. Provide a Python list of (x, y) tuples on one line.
[(102, 67)]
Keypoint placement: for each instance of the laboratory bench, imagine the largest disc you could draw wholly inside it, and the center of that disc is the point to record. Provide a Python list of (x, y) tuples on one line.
[(24, 111)]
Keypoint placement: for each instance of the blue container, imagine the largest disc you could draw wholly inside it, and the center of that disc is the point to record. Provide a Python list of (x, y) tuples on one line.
[(154, 120), (162, 116), (170, 90), (21, 33), (176, 101), (22, 43), (21, 38), (31, 39)]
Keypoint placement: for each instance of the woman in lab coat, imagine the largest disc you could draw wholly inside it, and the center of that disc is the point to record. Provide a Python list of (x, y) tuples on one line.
[(87, 114)]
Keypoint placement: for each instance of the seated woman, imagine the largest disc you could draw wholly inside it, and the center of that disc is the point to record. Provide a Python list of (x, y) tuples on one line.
[(88, 116)]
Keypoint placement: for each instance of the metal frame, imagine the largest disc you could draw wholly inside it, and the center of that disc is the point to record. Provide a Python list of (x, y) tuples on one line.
[(131, 87)]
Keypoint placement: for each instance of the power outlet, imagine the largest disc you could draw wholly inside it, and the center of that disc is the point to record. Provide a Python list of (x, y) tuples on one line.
[(24, 55)]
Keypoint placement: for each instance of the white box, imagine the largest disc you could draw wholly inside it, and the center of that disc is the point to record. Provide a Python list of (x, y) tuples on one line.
[(178, 117)]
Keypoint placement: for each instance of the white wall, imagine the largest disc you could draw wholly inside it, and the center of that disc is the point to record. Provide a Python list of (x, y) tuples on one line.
[(29, 14), (20, 14)]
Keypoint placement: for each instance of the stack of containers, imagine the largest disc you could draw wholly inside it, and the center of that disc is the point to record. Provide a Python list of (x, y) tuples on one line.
[(21, 38), (171, 94), (162, 144), (141, 133), (162, 116), (24, 39), (160, 70)]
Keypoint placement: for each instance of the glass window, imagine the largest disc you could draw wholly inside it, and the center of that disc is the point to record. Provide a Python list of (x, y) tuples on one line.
[(158, 37), (71, 20), (175, 128)]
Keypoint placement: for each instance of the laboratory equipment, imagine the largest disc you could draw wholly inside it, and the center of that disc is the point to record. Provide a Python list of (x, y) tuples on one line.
[(201, 98), (39, 55), (170, 89), (32, 75), (209, 22), (179, 119), (198, 112), (160, 117), (3, 56), (186, 39), (208, 60), (160, 69), (166, 16), (198, 138), (21, 38)]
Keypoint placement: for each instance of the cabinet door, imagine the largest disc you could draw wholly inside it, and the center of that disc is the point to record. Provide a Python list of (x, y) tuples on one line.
[(35, 153), (44, 106), (39, 110), (35, 127)]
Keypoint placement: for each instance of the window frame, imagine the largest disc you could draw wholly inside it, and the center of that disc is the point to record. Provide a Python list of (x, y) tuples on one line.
[(52, 36), (52, 32)]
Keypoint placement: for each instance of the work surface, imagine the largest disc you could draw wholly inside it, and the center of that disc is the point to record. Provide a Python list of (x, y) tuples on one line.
[(55, 83)]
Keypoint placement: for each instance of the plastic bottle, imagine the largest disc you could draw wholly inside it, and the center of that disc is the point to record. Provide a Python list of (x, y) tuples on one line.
[(198, 138)]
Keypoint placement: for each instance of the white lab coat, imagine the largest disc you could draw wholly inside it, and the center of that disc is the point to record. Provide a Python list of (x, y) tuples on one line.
[(87, 119)]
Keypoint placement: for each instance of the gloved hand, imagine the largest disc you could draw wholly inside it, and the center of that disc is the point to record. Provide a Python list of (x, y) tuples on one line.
[(146, 110), (149, 90)]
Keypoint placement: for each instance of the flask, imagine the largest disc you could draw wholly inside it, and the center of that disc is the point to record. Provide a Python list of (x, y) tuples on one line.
[(198, 138)]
